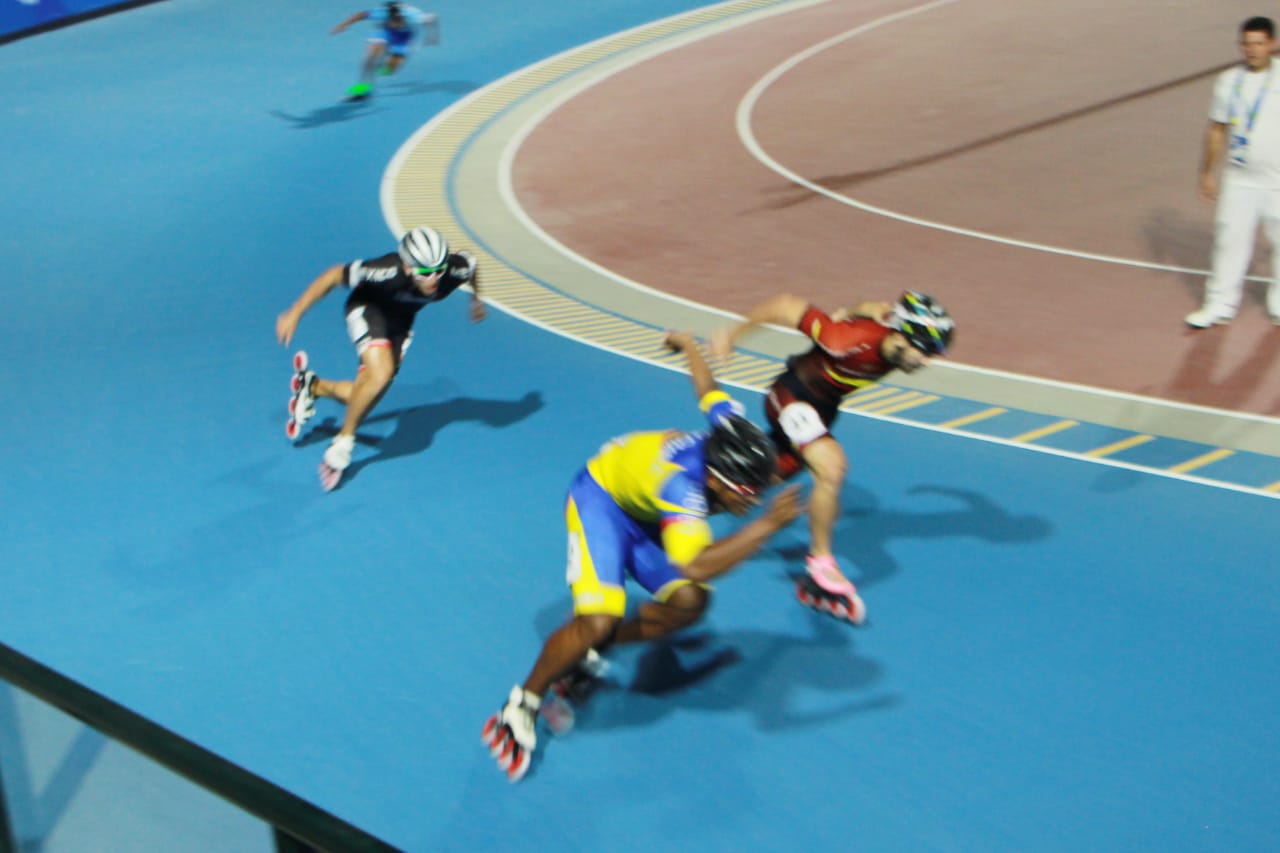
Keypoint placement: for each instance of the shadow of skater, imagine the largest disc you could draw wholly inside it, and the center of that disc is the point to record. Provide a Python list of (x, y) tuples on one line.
[(865, 530), (746, 671), (325, 115), (1232, 390), (416, 427), (406, 88), (348, 110)]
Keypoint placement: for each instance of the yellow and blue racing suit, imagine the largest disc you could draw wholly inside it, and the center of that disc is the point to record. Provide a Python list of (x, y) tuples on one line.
[(639, 508)]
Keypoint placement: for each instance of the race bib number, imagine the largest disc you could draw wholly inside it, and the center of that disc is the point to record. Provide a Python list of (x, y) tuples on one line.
[(801, 423), (357, 326)]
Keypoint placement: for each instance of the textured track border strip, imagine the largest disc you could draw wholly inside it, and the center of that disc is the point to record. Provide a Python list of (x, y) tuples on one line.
[(419, 188)]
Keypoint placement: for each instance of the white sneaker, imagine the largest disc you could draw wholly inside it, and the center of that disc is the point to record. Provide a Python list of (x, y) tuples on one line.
[(1206, 317)]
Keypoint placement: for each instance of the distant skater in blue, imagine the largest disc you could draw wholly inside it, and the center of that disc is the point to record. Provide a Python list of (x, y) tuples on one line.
[(390, 47)]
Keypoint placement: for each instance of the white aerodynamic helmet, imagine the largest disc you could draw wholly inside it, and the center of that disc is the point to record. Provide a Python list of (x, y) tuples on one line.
[(425, 249)]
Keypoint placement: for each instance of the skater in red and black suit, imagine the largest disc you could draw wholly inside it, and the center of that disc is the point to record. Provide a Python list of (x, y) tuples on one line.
[(387, 293), (851, 350)]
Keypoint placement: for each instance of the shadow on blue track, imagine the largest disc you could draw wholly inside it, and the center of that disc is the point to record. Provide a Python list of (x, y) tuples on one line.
[(348, 110), (332, 114), (416, 426), (752, 671), (867, 529), (410, 88)]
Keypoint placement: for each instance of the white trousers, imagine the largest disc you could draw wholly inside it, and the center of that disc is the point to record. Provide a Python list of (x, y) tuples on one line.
[(1241, 209)]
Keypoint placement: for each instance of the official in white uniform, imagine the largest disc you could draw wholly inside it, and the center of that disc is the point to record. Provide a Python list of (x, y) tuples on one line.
[(1244, 124)]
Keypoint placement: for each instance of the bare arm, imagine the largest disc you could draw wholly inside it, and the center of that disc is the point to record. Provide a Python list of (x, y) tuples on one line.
[(878, 311), (723, 555), (785, 309), (1215, 142), (287, 322), (357, 17), (704, 382)]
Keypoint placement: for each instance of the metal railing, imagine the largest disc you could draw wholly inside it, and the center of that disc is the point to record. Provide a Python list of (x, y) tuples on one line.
[(297, 825)]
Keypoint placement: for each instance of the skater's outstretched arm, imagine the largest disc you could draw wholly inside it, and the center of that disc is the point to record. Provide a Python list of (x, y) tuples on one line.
[(704, 382), (478, 311), (724, 554), (356, 18), (287, 322), (784, 309), (878, 311)]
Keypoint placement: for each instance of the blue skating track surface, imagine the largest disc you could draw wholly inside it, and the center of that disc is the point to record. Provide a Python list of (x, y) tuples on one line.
[(1059, 656)]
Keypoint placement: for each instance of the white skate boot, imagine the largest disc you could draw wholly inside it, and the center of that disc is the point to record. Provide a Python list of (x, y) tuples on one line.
[(336, 459), (302, 405)]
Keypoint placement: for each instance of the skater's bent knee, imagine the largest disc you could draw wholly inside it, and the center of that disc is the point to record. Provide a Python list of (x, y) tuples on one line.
[(598, 628), (690, 600)]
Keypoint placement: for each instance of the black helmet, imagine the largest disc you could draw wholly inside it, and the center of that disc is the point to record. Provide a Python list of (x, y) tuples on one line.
[(739, 454), (925, 323)]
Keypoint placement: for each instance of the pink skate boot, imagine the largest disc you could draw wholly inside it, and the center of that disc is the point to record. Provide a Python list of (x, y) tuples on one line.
[(828, 591)]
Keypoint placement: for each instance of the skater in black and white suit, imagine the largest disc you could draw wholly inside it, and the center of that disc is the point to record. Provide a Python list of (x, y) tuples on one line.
[(387, 292)]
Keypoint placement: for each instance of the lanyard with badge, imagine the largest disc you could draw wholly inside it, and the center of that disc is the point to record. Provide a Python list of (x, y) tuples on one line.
[(1239, 145)]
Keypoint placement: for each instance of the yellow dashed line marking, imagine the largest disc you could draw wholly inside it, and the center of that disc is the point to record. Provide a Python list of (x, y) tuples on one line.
[(901, 407), (871, 395), (889, 401), (973, 419), (1043, 431), (1201, 461), (1116, 447)]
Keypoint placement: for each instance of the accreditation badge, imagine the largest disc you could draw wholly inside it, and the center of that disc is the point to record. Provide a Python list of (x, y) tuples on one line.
[(1238, 149)]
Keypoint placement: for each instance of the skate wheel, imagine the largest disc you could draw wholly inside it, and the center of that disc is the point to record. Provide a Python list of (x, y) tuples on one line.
[(329, 477), (291, 428), (858, 612), (293, 406), (489, 735), (295, 383), (300, 361)]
